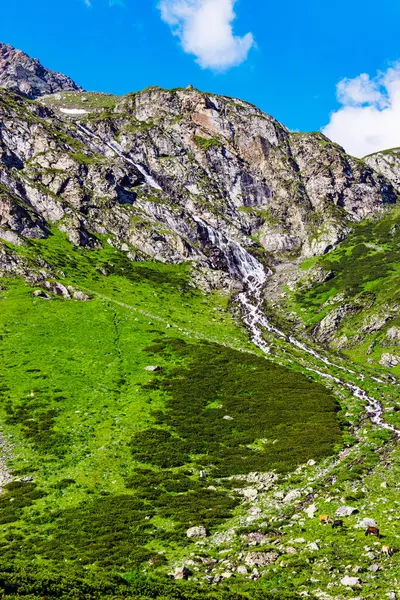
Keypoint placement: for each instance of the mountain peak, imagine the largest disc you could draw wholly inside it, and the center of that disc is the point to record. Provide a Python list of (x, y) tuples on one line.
[(26, 76)]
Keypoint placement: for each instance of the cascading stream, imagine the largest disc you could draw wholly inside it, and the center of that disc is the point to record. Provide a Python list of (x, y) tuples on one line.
[(244, 266)]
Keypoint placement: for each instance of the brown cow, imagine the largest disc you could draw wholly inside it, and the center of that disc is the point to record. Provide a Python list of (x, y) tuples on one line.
[(324, 519), (373, 531)]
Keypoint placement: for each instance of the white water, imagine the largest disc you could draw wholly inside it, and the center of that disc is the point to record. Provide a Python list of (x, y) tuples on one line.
[(244, 266), (249, 270), (116, 148)]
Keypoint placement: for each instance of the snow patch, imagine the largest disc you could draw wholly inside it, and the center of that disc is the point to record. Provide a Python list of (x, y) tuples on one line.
[(73, 111)]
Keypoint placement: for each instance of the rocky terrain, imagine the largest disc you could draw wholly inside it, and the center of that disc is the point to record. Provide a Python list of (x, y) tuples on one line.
[(25, 75), (219, 298)]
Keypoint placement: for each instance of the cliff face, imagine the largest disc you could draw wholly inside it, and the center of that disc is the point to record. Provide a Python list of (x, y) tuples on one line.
[(22, 74), (386, 163), (163, 173)]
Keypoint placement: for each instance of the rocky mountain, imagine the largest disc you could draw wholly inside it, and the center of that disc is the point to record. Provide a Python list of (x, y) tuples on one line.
[(175, 175), (199, 346), (24, 75), (387, 163)]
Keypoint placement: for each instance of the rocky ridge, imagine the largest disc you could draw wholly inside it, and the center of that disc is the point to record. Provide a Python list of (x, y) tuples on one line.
[(25, 75), (175, 175)]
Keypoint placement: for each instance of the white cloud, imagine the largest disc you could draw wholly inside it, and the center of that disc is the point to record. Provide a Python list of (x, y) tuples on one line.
[(369, 119), (205, 30), (88, 3)]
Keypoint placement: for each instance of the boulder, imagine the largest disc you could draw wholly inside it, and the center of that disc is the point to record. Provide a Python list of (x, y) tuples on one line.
[(153, 368), (57, 288), (261, 559), (40, 294), (250, 493), (389, 360), (242, 570), (310, 511), (81, 296), (345, 511), (351, 581), (292, 495), (197, 532), (364, 523)]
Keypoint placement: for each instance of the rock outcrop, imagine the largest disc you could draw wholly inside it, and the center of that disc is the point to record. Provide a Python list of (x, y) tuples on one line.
[(175, 175), (387, 163), (24, 75)]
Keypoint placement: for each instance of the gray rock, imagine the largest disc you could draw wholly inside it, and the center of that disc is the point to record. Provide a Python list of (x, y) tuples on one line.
[(346, 511), (366, 522), (311, 510), (393, 334), (389, 360), (153, 368), (81, 296), (40, 294), (292, 495), (242, 570), (58, 289), (197, 532), (261, 559), (25, 75), (351, 581)]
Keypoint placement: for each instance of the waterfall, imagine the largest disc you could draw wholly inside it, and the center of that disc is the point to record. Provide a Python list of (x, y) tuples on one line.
[(249, 270), (116, 148)]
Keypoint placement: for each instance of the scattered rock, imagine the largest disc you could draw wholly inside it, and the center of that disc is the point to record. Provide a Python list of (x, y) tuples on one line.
[(153, 368), (313, 547), (292, 495), (250, 493), (311, 510), (393, 334), (40, 294), (81, 296), (197, 532), (227, 418), (226, 575), (389, 360), (351, 581), (374, 568), (242, 570), (345, 511), (364, 523), (57, 288), (261, 559)]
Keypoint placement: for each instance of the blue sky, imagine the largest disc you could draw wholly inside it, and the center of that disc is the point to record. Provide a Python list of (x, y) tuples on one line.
[(287, 57)]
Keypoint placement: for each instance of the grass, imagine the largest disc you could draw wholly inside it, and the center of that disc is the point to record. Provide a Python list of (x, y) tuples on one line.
[(115, 451), (85, 100), (364, 273), (206, 143)]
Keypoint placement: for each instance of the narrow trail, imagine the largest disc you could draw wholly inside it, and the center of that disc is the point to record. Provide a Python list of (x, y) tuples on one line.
[(187, 332)]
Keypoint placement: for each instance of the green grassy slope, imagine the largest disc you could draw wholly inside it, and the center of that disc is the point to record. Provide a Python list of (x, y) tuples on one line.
[(364, 274), (115, 451)]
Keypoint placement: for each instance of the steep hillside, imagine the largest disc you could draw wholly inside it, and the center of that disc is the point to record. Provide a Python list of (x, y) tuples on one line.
[(387, 163), (199, 338)]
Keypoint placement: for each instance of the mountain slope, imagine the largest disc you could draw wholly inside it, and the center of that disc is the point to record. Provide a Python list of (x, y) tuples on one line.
[(22, 74), (160, 368)]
